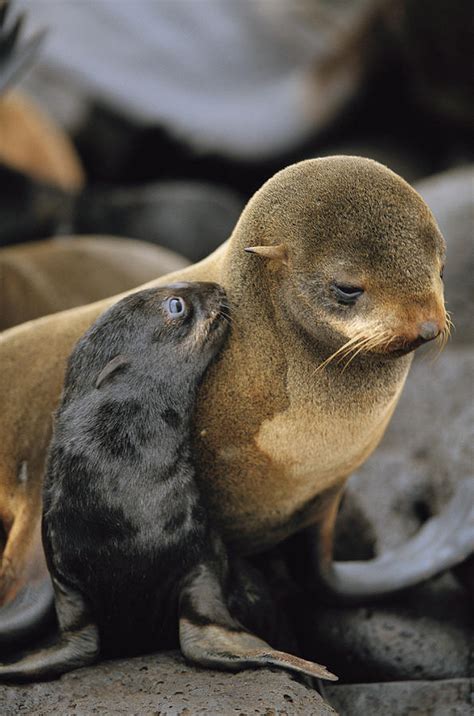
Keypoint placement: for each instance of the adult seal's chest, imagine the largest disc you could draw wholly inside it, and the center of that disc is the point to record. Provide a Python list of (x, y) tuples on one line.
[(270, 463)]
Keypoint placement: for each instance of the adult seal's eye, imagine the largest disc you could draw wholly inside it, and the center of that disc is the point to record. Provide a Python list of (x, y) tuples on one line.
[(347, 295), (175, 307)]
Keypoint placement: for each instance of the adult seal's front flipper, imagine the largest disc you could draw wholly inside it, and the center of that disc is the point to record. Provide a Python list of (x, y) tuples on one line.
[(28, 615), (211, 637), (26, 592), (443, 542)]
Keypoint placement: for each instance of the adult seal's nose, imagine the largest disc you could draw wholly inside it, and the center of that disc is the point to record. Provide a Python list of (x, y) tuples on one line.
[(429, 330)]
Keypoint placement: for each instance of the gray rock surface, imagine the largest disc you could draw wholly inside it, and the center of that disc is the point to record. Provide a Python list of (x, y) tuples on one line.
[(450, 196), (427, 448), (406, 698), (424, 635), (164, 685)]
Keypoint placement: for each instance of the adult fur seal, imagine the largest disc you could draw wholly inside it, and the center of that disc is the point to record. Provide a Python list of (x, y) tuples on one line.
[(345, 253), (125, 530)]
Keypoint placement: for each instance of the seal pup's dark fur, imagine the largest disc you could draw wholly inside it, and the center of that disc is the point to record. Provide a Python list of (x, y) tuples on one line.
[(126, 534)]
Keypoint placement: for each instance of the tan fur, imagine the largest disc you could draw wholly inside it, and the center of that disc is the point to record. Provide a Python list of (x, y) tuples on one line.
[(31, 143), (49, 276), (275, 437)]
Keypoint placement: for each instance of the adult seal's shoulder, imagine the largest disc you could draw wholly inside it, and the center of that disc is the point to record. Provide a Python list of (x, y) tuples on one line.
[(343, 263)]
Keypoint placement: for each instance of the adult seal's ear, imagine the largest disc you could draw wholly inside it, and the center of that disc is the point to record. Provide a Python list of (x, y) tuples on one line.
[(277, 253)]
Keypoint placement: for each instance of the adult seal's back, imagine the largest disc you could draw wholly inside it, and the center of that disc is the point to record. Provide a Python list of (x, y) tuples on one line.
[(345, 261)]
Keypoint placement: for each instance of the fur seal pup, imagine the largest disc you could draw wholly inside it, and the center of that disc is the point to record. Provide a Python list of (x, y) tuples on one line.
[(125, 530), (346, 262)]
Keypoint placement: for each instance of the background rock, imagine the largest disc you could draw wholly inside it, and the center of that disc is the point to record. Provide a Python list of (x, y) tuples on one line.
[(413, 698), (424, 635), (191, 218), (450, 196)]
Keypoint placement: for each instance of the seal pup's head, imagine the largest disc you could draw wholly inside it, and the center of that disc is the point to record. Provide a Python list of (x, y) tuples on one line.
[(350, 253), (172, 332)]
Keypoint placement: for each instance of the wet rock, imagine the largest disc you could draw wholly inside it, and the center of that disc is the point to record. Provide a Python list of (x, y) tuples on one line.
[(416, 698), (164, 685), (353, 520)]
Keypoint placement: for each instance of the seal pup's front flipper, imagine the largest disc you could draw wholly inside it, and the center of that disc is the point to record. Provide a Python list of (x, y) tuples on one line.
[(211, 637), (443, 542), (77, 644)]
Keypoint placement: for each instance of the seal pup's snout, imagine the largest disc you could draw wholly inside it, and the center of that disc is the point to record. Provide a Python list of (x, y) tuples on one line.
[(212, 301), (212, 317)]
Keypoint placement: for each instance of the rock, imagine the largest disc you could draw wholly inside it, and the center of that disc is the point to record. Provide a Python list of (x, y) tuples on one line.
[(425, 634), (162, 685), (426, 449), (408, 163), (413, 698), (450, 196), (31, 209)]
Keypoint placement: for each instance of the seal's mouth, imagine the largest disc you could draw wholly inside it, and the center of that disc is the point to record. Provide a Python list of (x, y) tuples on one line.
[(401, 347), (384, 343)]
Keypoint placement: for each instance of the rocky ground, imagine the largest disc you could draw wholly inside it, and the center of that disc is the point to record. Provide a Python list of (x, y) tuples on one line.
[(412, 655)]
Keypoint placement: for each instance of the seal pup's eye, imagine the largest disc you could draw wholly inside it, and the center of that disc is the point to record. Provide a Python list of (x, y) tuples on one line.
[(346, 294), (175, 306), (441, 273)]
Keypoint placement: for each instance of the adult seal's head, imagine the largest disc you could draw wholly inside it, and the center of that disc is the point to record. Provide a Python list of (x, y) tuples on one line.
[(349, 253)]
